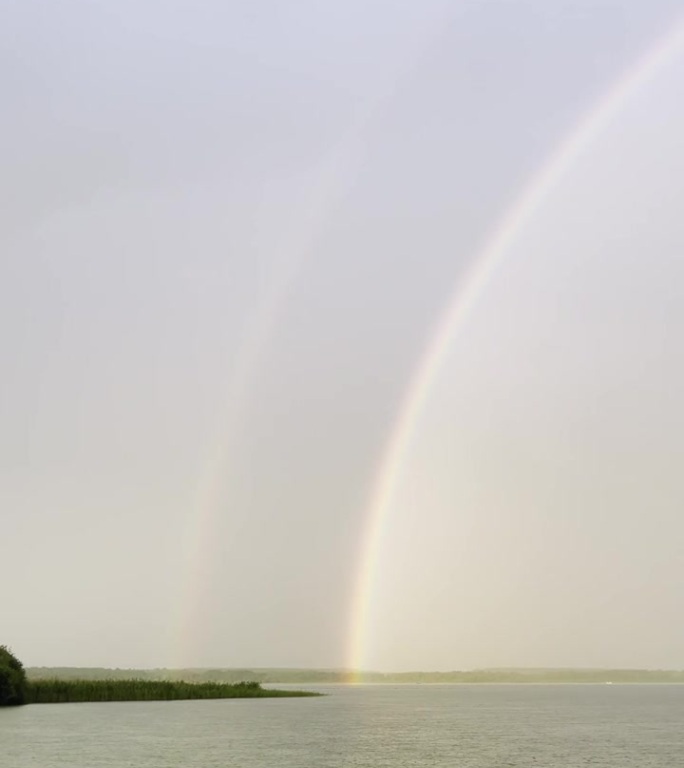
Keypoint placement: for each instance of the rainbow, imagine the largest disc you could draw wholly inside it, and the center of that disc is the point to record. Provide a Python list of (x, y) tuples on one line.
[(336, 173), (525, 207), (331, 179)]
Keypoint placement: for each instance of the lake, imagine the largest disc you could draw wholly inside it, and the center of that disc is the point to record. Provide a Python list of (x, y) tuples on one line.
[(461, 726)]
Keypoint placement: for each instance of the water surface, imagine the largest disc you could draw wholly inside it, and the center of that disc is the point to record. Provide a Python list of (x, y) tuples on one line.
[(461, 726)]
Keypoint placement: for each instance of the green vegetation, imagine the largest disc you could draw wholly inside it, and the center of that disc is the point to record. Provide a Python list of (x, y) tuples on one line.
[(15, 688), (12, 679), (53, 691)]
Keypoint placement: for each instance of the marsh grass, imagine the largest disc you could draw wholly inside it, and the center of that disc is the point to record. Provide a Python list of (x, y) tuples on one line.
[(52, 691)]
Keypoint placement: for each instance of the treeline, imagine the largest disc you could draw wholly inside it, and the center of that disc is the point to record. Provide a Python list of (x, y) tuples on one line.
[(185, 675), (323, 676), (193, 675), (12, 679), (55, 691), (527, 676)]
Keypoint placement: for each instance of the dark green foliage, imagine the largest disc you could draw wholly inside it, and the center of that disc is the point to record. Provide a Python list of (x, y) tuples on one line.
[(12, 679), (58, 691)]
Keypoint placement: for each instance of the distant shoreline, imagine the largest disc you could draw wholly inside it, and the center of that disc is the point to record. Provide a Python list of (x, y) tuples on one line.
[(279, 676)]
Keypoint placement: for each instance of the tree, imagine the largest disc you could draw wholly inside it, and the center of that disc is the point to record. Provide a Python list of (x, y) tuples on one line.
[(12, 678)]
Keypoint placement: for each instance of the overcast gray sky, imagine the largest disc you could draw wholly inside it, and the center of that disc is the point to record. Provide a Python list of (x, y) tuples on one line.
[(229, 231)]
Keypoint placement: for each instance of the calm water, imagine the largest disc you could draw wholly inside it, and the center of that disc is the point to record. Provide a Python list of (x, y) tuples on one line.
[(456, 726)]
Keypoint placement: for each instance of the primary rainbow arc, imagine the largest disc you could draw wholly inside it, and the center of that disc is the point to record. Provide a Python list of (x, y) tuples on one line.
[(528, 203)]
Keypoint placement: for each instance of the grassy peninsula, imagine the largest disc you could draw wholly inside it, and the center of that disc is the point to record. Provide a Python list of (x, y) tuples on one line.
[(16, 688), (53, 691)]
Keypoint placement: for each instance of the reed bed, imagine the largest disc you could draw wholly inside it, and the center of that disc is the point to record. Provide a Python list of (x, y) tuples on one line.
[(53, 691)]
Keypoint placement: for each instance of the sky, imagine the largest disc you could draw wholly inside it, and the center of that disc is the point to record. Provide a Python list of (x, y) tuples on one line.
[(230, 232)]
